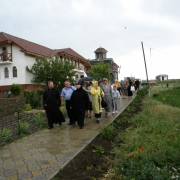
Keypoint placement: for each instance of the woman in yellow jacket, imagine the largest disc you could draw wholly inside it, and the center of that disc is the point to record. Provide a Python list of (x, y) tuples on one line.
[(97, 95)]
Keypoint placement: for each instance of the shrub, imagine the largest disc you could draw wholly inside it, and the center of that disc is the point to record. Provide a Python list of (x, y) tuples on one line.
[(39, 120), (34, 99), (16, 89), (27, 107), (6, 135), (24, 128), (108, 133), (99, 150)]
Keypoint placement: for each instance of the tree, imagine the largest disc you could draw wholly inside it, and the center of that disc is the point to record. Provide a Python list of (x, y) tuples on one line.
[(100, 71), (54, 69)]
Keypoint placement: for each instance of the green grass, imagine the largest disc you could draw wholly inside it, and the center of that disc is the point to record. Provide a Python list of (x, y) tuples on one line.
[(170, 97), (151, 145)]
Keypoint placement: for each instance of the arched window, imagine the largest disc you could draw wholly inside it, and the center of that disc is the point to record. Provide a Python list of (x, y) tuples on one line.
[(14, 71), (6, 72)]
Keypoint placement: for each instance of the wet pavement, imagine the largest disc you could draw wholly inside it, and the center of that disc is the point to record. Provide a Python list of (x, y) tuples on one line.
[(41, 155)]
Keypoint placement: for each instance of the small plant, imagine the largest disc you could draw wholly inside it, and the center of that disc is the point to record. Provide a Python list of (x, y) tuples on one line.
[(108, 133), (99, 150), (24, 128), (27, 107), (15, 89), (39, 120), (6, 135)]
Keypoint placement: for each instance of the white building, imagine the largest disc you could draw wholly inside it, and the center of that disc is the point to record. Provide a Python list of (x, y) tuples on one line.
[(17, 54), (162, 77)]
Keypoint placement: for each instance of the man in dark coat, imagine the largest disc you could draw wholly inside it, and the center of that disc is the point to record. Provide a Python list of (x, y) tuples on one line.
[(51, 103), (79, 102)]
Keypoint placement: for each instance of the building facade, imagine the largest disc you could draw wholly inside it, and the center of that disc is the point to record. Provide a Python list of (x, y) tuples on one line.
[(162, 77), (17, 55), (101, 57)]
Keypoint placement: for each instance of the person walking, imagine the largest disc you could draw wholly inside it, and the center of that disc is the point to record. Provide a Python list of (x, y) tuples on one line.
[(79, 102), (128, 86), (87, 88), (116, 98), (118, 86), (97, 95), (51, 104), (66, 94), (106, 87)]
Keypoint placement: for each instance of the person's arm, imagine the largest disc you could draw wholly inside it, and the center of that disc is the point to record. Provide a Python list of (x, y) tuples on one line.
[(101, 92), (58, 98), (62, 96), (119, 94)]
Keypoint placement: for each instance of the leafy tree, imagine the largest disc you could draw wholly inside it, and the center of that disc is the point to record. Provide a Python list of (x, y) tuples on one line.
[(46, 69), (100, 71)]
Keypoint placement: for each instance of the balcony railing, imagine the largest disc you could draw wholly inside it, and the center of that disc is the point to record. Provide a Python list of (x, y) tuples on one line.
[(5, 58)]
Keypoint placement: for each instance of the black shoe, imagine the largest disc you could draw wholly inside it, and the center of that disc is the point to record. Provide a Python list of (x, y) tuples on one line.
[(50, 127), (70, 123), (81, 127), (97, 121)]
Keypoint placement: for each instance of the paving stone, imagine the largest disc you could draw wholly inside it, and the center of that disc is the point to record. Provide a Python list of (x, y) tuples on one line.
[(24, 176), (9, 172), (15, 177)]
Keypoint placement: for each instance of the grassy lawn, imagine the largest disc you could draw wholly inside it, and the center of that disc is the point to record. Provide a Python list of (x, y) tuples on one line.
[(151, 145), (169, 96)]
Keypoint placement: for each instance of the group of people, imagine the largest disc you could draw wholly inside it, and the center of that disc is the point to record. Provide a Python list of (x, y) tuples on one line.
[(81, 99)]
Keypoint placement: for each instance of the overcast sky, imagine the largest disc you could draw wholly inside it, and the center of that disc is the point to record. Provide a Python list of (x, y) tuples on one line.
[(117, 25)]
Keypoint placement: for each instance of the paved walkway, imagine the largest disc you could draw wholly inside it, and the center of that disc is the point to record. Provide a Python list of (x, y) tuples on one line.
[(41, 155)]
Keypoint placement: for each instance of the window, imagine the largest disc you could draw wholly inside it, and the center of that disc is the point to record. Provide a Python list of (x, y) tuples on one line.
[(4, 49), (6, 72), (14, 71)]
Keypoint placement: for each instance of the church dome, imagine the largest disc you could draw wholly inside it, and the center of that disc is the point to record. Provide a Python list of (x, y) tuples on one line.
[(101, 50)]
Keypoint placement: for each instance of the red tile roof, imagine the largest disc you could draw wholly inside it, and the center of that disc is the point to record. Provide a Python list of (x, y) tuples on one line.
[(39, 50), (72, 53), (27, 46)]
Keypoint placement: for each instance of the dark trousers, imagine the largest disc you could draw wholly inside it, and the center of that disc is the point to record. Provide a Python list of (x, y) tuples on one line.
[(98, 115), (79, 117), (54, 116), (69, 111)]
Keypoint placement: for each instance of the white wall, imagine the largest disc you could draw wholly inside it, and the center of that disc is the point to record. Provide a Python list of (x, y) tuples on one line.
[(20, 60)]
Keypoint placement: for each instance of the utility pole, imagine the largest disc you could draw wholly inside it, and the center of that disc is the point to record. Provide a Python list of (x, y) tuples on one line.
[(145, 66), (145, 63)]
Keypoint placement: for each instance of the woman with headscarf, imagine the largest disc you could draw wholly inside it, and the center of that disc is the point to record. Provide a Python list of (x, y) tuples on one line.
[(97, 95)]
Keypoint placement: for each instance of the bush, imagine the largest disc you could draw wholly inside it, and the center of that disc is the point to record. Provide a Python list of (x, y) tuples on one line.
[(34, 99), (27, 107), (99, 150), (6, 135), (108, 133), (24, 128), (16, 89), (39, 120)]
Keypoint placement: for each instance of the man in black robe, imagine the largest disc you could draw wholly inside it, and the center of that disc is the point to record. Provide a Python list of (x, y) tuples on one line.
[(51, 103), (79, 102)]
